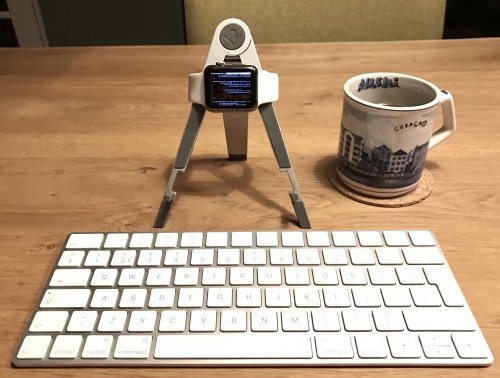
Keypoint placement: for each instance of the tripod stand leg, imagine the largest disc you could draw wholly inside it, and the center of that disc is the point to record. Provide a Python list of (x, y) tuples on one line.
[(183, 153), (278, 145), (236, 128)]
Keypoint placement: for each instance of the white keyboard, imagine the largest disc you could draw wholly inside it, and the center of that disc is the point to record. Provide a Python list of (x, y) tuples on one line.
[(252, 298)]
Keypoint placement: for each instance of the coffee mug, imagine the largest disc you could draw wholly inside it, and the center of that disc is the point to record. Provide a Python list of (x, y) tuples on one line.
[(386, 129)]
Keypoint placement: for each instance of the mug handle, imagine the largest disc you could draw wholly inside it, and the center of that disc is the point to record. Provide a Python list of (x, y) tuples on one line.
[(449, 120)]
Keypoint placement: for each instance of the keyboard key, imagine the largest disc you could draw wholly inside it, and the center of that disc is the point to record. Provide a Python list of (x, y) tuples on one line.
[(396, 238), (267, 239), (163, 298), (241, 276), (202, 257), (439, 319), (65, 298), (371, 346), (388, 319), (324, 276), (84, 241), (318, 239), (141, 240), (133, 346), (186, 276), (116, 240), (425, 296), (71, 258), (124, 257), (149, 257), (370, 239), (383, 275), (451, 294), (82, 321), (220, 297), (470, 345), (49, 321), (336, 297), (214, 276), (365, 297), (248, 297), (357, 320), (159, 276), (104, 277), (131, 277), (228, 256), (176, 257), (172, 321), (277, 297), (297, 276), (325, 320), (335, 256), (334, 345), (241, 239), (254, 256), (97, 258), (264, 321), (190, 298), (404, 345), (104, 298), (422, 238), (307, 256), (353, 276), (344, 239), (437, 345), (247, 346), (192, 240), (396, 296), (34, 347), (362, 256), (112, 321), (203, 321), (292, 239), (166, 240), (306, 297), (66, 346), (216, 239), (268, 276), (233, 321), (70, 277), (389, 256), (142, 321), (294, 321), (97, 346), (421, 256), (133, 298), (281, 256), (410, 275)]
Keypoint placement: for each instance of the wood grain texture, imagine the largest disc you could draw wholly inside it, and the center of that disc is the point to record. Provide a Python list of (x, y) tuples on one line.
[(88, 137)]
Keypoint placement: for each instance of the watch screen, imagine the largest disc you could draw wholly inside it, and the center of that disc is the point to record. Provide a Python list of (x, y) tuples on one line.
[(231, 88)]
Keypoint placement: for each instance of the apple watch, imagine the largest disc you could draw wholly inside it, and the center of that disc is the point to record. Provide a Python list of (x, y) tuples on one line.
[(230, 87)]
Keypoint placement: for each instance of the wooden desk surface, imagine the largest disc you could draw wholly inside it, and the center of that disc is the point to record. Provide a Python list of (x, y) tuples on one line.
[(88, 137)]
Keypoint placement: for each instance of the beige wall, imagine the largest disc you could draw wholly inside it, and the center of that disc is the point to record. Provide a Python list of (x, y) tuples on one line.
[(274, 21)]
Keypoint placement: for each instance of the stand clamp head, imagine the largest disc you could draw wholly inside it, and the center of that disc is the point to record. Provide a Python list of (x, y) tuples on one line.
[(232, 77)]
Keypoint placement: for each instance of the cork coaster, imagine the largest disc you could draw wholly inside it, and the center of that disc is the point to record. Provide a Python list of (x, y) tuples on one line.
[(421, 191)]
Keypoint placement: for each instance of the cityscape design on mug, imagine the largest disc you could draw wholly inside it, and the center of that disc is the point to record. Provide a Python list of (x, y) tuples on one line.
[(380, 166)]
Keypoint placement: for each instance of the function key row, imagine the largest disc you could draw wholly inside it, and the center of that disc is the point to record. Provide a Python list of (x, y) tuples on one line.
[(250, 239)]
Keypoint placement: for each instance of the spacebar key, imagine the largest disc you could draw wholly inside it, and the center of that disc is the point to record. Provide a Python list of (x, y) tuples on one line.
[(268, 346)]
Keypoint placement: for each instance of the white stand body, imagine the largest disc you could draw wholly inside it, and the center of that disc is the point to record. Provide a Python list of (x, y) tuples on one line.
[(232, 43)]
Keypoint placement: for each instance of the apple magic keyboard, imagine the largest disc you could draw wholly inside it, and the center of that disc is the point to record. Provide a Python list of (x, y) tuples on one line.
[(303, 298)]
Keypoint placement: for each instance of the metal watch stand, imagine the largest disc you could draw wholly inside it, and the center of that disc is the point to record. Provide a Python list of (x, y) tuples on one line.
[(232, 43)]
